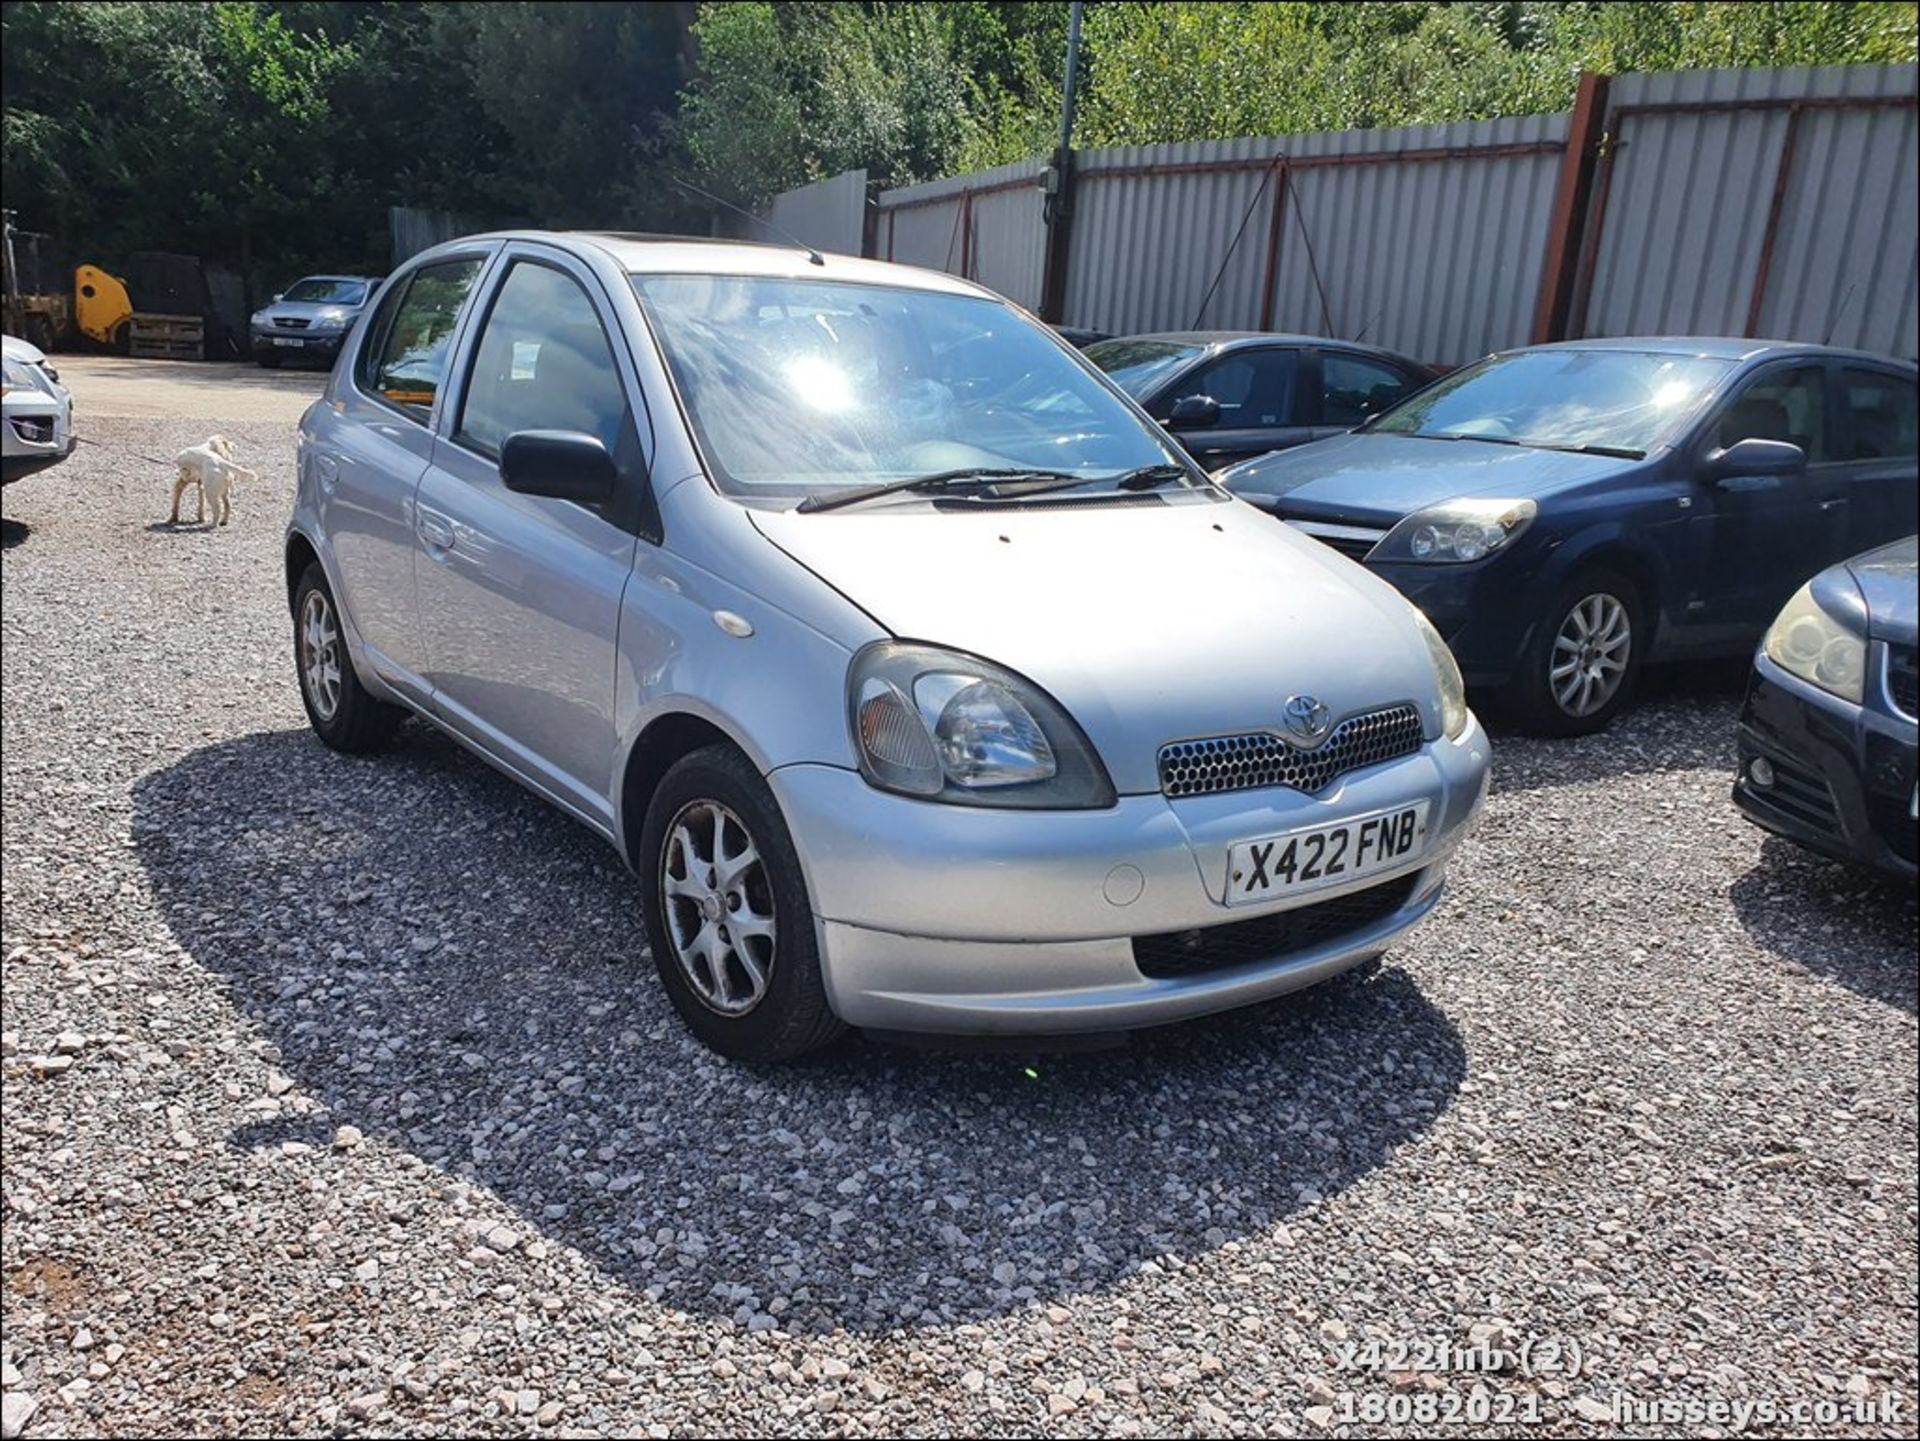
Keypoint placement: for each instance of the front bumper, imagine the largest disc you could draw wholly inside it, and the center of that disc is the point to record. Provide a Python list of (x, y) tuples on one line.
[(1479, 609), (1844, 775), (324, 344), (939, 918), (36, 431)]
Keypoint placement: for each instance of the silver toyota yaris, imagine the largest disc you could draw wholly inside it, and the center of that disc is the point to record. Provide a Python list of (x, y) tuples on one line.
[(921, 680)]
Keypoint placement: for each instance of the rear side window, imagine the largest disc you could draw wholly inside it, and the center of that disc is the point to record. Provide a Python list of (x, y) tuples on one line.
[(1880, 414), (1353, 388), (543, 363), (405, 358), (1788, 405)]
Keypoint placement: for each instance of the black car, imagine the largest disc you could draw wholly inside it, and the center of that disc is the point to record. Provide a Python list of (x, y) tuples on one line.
[(1229, 395), (1566, 513), (1828, 736)]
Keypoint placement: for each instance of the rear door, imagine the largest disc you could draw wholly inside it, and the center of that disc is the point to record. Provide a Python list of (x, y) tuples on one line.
[(1257, 389), (368, 454), (1875, 445), (520, 594), (1353, 388)]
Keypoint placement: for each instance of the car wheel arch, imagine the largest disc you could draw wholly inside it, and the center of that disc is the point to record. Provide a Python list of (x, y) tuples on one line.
[(301, 553), (1612, 552), (661, 742)]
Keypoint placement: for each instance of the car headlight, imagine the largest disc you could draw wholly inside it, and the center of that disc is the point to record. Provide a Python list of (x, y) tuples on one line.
[(946, 726), (332, 319), (20, 376), (1809, 641), (259, 317), (1446, 675), (1455, 532)]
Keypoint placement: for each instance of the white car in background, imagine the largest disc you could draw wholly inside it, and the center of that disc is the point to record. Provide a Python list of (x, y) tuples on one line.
[(36, 413)]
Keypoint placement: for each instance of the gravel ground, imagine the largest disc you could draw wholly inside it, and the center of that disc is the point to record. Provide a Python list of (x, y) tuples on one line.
[(339, 1097)]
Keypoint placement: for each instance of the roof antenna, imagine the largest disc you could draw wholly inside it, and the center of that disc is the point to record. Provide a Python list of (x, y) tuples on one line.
[(1838, 311), (813, 256)]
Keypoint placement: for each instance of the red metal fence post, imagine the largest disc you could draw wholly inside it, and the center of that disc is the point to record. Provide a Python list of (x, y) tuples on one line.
[(1570, 204)]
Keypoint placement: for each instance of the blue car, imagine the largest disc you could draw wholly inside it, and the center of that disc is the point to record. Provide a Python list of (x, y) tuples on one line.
[(1828, 736), (1567, 513)]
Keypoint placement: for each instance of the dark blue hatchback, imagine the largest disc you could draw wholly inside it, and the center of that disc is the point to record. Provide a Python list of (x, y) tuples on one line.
[(1566, 513)]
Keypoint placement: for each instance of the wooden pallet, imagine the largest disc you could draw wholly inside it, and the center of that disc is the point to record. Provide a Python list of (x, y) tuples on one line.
[(166, 337)]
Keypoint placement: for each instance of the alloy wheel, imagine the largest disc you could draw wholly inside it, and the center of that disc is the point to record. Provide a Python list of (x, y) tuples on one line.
[(717, 900), (320, 654), (1590, 655)]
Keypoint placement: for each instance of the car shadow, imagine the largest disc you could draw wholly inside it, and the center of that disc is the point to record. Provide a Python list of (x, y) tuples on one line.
[(12, 532), (1683, 718), (1853, 926), (459, 971)]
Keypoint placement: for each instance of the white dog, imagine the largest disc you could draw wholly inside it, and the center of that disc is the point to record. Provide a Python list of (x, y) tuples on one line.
[(210, 471)]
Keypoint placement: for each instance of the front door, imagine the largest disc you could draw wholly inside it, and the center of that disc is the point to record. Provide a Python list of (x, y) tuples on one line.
[(520, 595), (1766, 535), (1259, 401)]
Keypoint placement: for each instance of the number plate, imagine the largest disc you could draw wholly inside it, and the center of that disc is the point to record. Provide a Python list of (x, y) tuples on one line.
[(287, 340), (1294, 862)]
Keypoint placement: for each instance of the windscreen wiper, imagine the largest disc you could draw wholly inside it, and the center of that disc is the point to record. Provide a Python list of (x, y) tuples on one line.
[(972, 476), (1145, 477), (1619, 452)]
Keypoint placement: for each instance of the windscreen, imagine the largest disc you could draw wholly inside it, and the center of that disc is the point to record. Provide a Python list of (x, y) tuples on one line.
[(331, 292), (1624, 400), (1138, 366), (803, 387)]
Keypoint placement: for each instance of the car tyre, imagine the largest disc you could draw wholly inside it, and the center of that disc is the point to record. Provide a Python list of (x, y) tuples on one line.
[(342, 711), (1581, 663), (727, 913)]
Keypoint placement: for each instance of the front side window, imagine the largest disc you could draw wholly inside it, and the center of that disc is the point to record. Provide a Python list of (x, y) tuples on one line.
[(543, 363), (803, 387), (1251, 387), (407, 355), (328, 292), (1353, 387), (1605, 400), (1789, 405), (1880, 414)]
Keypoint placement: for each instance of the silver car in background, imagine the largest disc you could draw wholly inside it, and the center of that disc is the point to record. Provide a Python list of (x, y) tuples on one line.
[(309, 320), (924, 685), (36, 413)]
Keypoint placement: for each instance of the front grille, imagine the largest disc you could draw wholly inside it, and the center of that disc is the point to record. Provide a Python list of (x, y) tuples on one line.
[(291, 322), (1264, 758), (1240, 943), (1903, 686), (1352, 549)]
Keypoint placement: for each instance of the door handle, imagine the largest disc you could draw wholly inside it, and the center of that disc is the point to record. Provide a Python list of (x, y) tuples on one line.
[(435, 531), (1833, 502)]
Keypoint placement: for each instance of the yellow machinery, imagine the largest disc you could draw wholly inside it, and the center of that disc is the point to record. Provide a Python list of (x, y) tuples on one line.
[(101, 306)]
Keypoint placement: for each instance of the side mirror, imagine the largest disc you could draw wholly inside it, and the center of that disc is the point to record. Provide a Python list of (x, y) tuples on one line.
[(1194, 412), (1755, 457), (563, 464), (278, 296)]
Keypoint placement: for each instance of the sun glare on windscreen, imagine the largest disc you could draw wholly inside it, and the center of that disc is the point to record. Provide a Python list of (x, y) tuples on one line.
[(819, 384)]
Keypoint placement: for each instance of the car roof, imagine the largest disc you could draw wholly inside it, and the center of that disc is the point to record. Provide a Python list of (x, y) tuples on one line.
[(644, 254), (1242, 339), (1714, 347)]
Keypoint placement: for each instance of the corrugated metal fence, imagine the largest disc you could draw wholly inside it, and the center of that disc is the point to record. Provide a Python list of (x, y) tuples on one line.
[(1779, 203), (1758, 202)]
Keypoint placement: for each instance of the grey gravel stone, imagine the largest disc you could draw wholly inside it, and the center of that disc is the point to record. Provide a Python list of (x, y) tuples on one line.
[(1644, 1081)]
